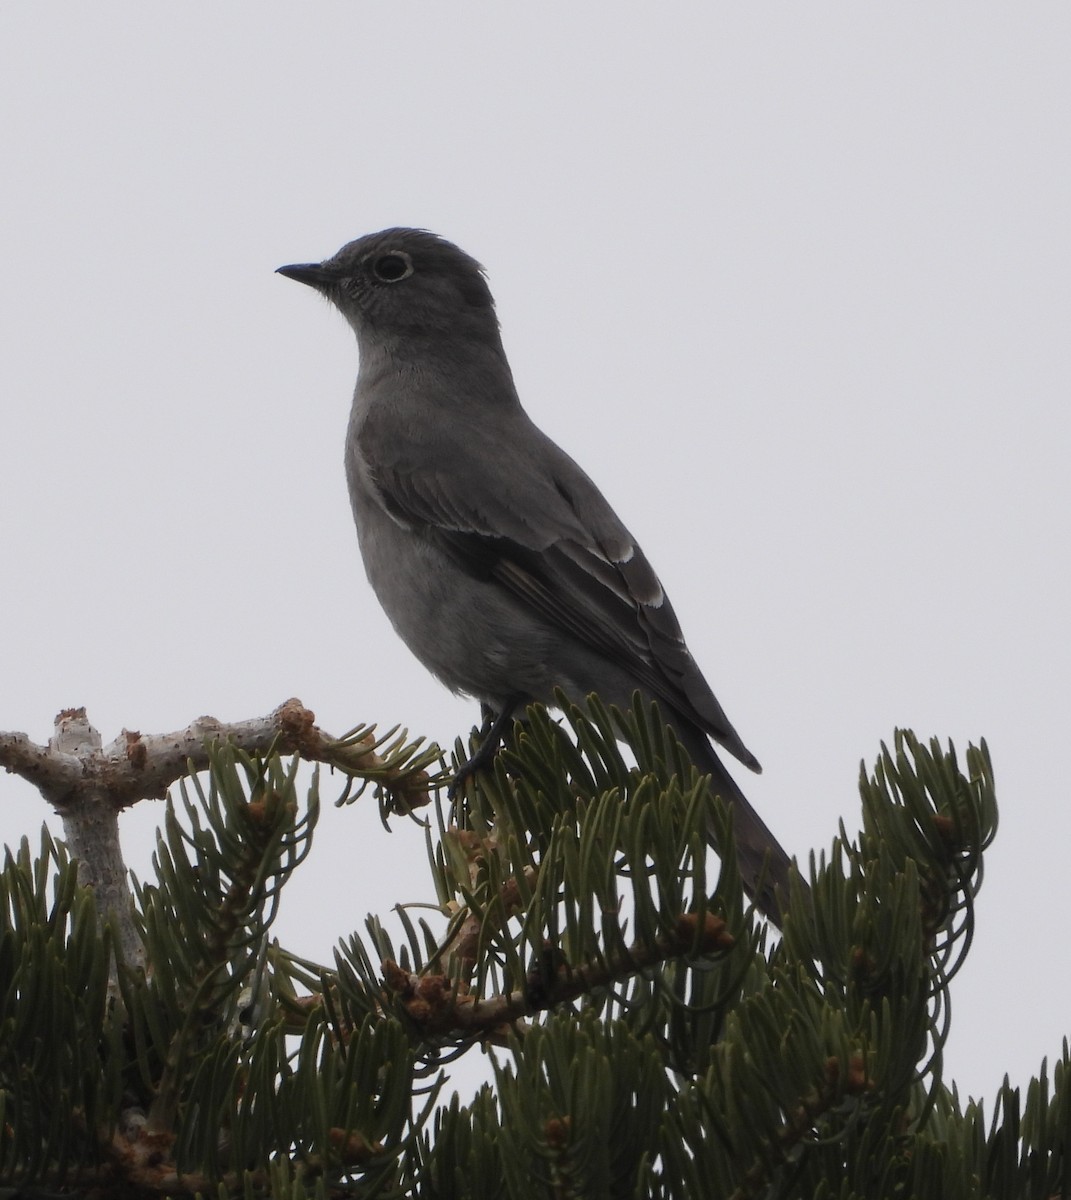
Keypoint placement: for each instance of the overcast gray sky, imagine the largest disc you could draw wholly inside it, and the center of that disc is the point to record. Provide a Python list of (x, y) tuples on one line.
[(790, 281)]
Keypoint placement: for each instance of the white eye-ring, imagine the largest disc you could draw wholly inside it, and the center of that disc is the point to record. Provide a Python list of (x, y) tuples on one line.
[(392, 266)]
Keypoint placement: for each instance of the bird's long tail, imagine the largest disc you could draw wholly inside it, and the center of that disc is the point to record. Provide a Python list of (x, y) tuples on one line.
[(764, 865)]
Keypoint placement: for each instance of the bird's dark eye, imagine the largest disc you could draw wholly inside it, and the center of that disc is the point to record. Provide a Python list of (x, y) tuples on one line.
[(389, 268)]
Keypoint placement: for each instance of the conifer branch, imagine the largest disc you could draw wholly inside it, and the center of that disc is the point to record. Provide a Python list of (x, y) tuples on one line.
[(655, 1043), (441, 1011), (89, 784), (138, 766)]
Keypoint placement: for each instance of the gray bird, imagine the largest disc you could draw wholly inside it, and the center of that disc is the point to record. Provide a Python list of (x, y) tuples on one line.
[(497, 560)]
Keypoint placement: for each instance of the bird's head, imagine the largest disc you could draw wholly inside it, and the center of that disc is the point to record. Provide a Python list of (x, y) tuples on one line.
[(403, 283)]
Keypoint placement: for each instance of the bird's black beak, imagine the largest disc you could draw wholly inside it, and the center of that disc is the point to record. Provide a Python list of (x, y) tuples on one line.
[(314, 274)]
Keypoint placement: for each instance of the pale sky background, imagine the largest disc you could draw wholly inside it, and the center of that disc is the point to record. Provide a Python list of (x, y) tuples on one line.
[(790, 281)]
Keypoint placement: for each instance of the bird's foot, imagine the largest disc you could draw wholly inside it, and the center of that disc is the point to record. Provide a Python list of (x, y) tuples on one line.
[(496, 727)]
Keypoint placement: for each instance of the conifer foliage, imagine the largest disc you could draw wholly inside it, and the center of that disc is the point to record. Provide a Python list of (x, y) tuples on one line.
[(651, 1037)]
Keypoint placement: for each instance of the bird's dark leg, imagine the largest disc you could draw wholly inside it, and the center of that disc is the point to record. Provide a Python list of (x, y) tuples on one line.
[(495, 728)]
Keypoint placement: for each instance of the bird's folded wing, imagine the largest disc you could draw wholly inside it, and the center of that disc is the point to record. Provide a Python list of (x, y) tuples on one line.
[(544, 532)]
